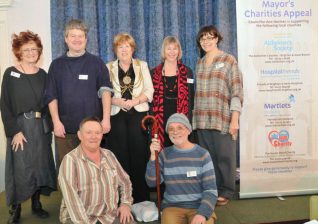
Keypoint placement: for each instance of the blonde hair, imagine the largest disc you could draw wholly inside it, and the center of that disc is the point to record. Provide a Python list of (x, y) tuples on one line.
[(170, 40), (122, 38)]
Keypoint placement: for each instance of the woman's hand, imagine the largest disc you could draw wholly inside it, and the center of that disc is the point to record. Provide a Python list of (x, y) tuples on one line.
[(234, 125), (155, 146), (17, 141), (131, 103), (125, 104), (120, 102)]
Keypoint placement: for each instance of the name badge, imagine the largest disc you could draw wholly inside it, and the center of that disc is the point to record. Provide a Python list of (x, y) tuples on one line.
[(220, 65), (191, 173), (83, 77), (190, 80), (15, 74)]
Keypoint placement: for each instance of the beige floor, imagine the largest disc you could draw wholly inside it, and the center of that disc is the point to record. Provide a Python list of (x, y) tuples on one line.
[(247, 211)]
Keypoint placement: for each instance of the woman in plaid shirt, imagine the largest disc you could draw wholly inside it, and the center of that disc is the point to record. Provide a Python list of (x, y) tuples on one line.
[(217, 107)]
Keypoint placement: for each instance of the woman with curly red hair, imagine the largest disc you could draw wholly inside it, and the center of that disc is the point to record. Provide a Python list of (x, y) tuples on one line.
[(29, 169)]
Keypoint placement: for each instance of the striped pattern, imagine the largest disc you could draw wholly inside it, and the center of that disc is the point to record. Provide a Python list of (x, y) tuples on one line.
[(91, 192), (198, 191), (219, 90)]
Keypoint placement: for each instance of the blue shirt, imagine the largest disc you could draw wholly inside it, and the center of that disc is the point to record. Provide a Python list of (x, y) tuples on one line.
[(189, 179), (75, 82)]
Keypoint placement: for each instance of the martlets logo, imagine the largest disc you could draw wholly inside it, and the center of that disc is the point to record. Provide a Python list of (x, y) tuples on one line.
[(279, 139)]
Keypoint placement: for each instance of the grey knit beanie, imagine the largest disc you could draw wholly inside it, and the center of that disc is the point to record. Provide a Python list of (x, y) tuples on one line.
[(179, 118)]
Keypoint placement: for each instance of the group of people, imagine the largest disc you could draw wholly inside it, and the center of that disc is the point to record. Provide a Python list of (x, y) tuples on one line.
[(92, 104)]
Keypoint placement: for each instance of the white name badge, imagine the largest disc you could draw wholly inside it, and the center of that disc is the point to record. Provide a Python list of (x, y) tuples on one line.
[(191, 173), (15, 74), (220, 65), (190, 80), (83, 77)]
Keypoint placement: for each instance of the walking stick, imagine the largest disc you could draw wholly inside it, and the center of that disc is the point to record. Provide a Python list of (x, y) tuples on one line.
[(149, 119)]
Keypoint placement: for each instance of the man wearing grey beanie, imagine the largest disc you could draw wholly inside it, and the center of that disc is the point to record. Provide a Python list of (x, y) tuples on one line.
[(188, 173), (179, 118)]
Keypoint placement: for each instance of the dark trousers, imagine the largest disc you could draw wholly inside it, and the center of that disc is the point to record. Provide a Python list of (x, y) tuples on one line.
[(64, 146), (128, 142), (223, 152)]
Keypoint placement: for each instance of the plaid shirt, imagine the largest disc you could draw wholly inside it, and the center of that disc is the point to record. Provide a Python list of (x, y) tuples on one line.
[(219, 90), (91, 193)]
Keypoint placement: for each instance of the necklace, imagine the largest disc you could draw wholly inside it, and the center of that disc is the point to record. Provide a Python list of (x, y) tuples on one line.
[(24, 70), (174, 87), (126, 87), (127, 78)]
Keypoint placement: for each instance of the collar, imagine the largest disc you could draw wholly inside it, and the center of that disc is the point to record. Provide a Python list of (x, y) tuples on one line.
[(104, 157)]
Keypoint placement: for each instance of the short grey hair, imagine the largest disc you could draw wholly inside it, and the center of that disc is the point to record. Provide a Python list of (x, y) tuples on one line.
[(76, 24)]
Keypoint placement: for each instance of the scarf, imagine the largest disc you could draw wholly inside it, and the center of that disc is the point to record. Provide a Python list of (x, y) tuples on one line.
[(158, 99)]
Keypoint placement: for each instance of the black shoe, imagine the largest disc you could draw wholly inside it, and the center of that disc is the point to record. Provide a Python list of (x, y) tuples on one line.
[(15, 213), (37, 206), (40, 213)]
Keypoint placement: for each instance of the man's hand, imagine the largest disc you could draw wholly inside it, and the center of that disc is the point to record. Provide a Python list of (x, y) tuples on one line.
[(59, 130), (198, 219), (17, 141), (124, 214), (155, 146), (106, 125)]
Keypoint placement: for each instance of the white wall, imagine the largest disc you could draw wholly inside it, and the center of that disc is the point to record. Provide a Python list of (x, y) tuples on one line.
[(16, 16)]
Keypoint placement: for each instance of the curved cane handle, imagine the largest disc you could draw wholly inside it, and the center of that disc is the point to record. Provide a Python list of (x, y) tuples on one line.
[(153, 120)]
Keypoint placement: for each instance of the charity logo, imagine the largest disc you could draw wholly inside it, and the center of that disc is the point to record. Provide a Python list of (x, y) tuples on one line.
[(279, 138), (291, 98), (281, 107)]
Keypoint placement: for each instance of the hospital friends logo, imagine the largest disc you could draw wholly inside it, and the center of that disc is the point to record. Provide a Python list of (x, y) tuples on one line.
[(279, 138)]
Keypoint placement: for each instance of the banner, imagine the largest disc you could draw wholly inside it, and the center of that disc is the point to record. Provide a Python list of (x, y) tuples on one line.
[(277, 53)]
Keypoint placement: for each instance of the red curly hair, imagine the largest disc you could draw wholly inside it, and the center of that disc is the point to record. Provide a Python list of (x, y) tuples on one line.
[(23, 38)]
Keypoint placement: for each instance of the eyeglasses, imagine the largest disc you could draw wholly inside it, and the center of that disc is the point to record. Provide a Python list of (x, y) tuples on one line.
[(207, 39), (30, 50), (177, 129)]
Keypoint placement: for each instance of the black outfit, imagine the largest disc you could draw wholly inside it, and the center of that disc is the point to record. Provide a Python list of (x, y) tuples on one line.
[(128, 141), (31, 171), (170, 102)]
